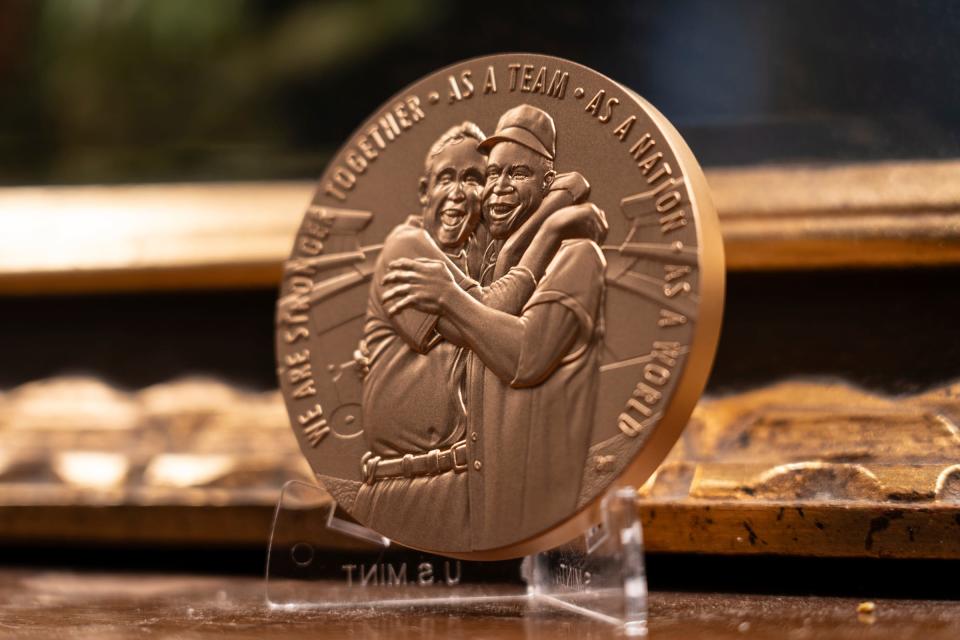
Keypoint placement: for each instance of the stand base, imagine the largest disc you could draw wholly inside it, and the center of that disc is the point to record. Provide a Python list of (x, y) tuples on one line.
[(600, 575)]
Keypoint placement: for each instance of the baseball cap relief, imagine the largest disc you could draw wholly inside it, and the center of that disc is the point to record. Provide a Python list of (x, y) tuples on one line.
[(526, 125)]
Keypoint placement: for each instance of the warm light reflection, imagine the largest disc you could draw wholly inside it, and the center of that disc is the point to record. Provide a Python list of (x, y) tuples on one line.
[(187, 470), (92, 469), (62, 229)]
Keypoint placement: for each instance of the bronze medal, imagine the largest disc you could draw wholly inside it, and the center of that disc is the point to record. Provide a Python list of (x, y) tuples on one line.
[(503, 301)]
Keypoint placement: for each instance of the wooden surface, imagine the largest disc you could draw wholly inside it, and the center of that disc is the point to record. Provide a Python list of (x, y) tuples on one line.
[(813, 468), (46, 604), (176, 236), (796, 468), (882, 214), (164, 236)]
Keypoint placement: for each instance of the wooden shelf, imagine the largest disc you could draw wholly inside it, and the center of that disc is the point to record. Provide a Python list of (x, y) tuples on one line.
[(178, 236)]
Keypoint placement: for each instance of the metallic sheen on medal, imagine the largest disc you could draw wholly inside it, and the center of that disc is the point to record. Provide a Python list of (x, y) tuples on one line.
[(503, 301)]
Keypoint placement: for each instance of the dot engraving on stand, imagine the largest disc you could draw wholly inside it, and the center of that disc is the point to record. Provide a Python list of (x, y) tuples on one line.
[(302, 554)]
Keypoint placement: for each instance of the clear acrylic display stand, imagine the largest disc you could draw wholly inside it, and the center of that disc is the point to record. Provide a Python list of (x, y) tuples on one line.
[(319, 559)]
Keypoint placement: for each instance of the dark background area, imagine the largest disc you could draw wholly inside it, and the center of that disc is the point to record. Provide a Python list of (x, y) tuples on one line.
[(781, 575), (147, 90), (890, 331)]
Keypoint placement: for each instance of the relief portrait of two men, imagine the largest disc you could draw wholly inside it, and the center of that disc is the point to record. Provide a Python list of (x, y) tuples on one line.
[(482, 333)]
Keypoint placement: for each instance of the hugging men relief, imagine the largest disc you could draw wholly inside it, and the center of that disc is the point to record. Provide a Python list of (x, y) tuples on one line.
[(482, 338)]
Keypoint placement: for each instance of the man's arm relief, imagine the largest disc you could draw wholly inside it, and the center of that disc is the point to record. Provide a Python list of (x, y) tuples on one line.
[(522, 351), (512, 290)]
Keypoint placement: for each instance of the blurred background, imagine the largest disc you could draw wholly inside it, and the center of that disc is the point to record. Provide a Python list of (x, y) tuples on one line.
[(156, 157), (119, 91)]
